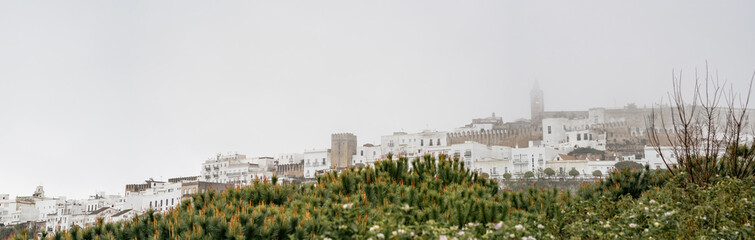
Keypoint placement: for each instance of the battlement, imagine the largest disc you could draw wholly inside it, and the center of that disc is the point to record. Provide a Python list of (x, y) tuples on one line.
[(344, 136)]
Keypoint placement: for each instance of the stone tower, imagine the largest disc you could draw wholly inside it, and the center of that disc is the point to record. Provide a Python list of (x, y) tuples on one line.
[(343, 146), (536, 104)]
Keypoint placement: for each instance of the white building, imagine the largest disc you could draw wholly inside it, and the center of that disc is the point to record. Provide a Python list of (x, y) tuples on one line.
[(653, 158), (563, 163), (412, 145), (156, 195), (493, 161), (9, 213), (236, 169), (290, 158), (480, 124), (367, 155), (315, 160), (532, 158), (568, 134)]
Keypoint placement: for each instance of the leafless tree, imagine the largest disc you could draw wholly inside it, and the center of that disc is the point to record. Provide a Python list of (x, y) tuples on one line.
[(700, 132)]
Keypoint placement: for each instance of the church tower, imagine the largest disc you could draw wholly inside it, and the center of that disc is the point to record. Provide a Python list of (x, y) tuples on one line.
[(536, 104)]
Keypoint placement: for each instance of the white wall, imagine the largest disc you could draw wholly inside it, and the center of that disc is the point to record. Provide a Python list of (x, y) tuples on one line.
[(367, 155), (315, 160), (654, 159)]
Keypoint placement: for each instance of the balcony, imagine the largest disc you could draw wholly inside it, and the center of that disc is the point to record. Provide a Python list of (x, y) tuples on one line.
[(521, 161)]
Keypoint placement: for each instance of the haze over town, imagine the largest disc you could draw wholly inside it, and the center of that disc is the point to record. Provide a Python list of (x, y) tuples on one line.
[(97, 95)]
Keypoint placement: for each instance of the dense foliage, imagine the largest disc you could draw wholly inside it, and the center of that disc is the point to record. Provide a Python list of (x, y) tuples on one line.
[(440, 199)]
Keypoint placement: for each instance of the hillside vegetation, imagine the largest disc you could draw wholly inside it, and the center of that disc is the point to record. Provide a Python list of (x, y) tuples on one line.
[(446, 201)]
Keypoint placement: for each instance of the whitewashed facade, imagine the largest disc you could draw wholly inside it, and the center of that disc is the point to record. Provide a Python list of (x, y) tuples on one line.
[(315, 160)]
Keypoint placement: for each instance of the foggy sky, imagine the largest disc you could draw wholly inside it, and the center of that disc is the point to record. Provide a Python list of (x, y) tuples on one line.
[(98, 94)]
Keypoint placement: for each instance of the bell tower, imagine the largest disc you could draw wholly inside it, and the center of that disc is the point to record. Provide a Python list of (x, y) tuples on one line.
[(536, 104)]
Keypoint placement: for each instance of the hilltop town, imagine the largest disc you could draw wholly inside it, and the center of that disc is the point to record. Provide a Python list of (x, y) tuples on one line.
[(554, 144)]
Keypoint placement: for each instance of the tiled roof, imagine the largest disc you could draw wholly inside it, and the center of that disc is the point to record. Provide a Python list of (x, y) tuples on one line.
[(98, 211), (122, 212)]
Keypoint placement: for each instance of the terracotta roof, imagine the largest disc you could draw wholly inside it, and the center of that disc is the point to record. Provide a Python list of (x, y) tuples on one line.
[(566, 157)]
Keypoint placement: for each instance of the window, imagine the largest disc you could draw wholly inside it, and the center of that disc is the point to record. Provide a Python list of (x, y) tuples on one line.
[(549, 129), (585, 136), (422, 142), (361, 153), (579, 137), (431, 142), (438, 141)]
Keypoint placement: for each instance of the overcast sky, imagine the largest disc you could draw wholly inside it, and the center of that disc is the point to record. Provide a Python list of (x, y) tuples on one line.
[(98, 94)]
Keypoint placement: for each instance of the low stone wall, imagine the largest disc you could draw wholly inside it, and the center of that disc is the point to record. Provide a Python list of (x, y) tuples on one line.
[(570, 184)]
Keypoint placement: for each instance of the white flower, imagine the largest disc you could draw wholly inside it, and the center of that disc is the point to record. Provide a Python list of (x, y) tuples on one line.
[(647, 230), (531, 238), (411, 234), (656, 224), (519, 227), (327, 238), (631, 216), (646, 208), (348, 206), (400, 231), (380, 235), (747, 224), (632, 225), (540, 226), (511, 235), (668, 214), (498, 225), (652, 201), (524, 238), (443, 237), (405, 207), (373, 228), (461, 233), (607, 225), (394, 233)]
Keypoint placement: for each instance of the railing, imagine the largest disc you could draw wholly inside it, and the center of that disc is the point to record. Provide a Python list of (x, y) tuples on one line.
[(521, 161)]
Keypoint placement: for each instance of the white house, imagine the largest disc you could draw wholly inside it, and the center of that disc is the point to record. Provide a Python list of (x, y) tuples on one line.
[(367, 154), (654, 159), (236, 169), (563, 163), (605, 167), (412, 145), (532, 158), (568, 134), (9, 213), (160, 196), (315, 160)]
